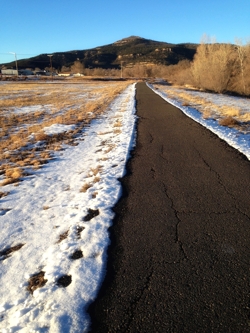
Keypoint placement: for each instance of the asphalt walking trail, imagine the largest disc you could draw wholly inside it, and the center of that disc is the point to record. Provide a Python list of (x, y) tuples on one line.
[(180, 252)]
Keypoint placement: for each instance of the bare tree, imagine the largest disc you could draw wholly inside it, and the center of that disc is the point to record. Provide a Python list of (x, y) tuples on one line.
[(212, 67), (243, 58), (77, 67)]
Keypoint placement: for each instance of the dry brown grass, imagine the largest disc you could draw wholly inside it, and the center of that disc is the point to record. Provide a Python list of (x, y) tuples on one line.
[(63, 103), (41, 136), (8, 181), (229, 111), (14, 173), (117, 131), (225, 114), (62, 236), (96, 179), (85, 187), (95, 171), (109, 148), (118, 123), (229, 122), (3, 194)]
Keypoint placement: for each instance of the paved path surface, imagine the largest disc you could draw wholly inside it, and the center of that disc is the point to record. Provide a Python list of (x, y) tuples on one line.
[(180, 254)]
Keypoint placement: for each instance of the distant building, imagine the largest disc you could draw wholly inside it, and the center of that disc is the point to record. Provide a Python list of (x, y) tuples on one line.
[(64, 74), (9, 72)]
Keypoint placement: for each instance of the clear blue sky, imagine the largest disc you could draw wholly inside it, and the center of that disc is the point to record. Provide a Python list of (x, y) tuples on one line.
[(29, 27)]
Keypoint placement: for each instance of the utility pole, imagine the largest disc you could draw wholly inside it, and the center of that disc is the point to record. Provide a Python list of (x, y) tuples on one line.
[(16, 61), (50, 56), (121, 69)]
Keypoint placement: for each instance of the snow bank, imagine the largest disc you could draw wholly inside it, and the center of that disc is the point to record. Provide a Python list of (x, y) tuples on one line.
[(61, 215)]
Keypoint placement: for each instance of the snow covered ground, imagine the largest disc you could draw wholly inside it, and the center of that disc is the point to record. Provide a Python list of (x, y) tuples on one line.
[(54, 227), (237, 139)]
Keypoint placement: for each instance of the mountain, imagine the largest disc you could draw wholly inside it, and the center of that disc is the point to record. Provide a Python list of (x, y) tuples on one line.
[(129, 51)]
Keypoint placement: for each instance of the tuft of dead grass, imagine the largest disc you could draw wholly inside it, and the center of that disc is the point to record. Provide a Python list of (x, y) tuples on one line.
[(3, 194), (63, 236), (8, 181), (228, 121), (118, 123), (85, 187), (14, 173), (41, 136), (96, 179), (229, 111), (95, 171)]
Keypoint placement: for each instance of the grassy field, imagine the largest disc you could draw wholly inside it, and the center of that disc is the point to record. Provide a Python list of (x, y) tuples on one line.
[(28, 108)]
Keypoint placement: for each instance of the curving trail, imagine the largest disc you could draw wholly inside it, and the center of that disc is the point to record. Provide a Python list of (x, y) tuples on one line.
[(179, 259)]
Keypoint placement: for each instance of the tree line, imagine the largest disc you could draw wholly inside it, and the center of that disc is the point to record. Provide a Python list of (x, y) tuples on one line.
[(218, 67)]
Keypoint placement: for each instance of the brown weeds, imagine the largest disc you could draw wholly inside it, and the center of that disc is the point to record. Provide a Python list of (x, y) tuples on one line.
[(49, 104), (228, 121), (85, 187), (63, 236)]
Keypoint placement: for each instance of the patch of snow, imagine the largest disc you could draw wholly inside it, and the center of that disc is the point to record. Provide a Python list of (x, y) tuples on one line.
[(58, 128), (30, 109)]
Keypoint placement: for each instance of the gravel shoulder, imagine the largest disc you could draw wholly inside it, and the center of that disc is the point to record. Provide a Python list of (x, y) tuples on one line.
[(179, 254)]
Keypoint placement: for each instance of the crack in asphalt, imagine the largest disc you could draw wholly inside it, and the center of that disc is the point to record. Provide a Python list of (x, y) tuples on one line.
[(133, 305), (151, 138), (220, 182), (177, 237)]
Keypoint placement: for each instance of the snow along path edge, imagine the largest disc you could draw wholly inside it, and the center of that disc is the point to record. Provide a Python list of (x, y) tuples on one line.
[(52, 216), (233, 137)]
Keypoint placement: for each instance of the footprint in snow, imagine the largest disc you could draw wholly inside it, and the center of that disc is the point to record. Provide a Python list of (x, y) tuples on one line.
[(3, 211), (91, 214), (36, 281), (77, 255), (4, 254), (64, 281)]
